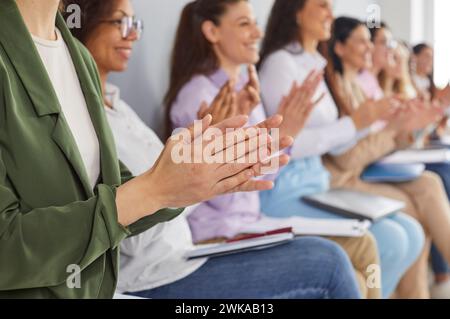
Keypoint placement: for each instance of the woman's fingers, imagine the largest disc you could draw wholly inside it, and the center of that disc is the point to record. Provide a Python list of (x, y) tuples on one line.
[(253, 186), (286, 100), (272, 122), (253, 77), (284, 142), (254, 160), (225, 107), (227, 185), (254, 96), (203, 110), (243, 182), (319, 99), (282, 106), (272, 166), (309, 77), (195, 134), (248, 143), (215, 108), (224, 91), (232, 123), (259, 159), (217, 130), (233, 107)]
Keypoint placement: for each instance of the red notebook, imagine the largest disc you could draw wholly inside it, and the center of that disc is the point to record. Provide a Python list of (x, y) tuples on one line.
[(243, 244)]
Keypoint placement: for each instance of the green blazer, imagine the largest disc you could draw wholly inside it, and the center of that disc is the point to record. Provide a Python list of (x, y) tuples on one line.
[(50, 218)]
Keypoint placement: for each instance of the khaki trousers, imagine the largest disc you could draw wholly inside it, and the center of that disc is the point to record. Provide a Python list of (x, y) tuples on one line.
[(427, 202), (363, 254)]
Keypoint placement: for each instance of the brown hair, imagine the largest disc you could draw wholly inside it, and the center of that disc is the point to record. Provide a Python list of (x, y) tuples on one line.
[(343, 28), (92, 14), (192, 53), (282, 27), (417, 50)]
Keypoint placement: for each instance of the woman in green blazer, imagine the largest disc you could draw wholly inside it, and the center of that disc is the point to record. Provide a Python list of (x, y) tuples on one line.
[(59, 237)]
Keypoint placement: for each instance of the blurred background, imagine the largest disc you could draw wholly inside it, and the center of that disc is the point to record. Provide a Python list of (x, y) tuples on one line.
[(145, 82)]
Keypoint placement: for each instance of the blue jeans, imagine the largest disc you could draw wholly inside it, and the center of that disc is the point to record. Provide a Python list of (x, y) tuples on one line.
[(400, 238), (438, 262), (307, 268)]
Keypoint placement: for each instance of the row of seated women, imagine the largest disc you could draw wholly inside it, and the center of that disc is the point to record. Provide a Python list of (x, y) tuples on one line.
[(347, 124), (347, 101)]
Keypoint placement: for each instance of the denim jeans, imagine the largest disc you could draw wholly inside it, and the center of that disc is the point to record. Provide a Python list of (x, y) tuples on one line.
[(400, 238), (439, 264), (307, 268)]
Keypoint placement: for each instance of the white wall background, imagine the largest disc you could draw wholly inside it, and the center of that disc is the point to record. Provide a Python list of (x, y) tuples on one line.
[(353, 8), (145, 82)]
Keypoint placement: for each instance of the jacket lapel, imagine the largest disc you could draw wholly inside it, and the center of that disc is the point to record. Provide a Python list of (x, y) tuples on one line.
[(21, 51), (91, 88), (19, 47)]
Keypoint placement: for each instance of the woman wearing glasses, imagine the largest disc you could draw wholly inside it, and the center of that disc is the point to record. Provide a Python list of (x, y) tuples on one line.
[(153, 264), (66, 202)]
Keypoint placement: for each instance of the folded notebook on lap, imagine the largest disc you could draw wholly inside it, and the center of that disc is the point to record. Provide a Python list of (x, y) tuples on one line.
[(355, 204)]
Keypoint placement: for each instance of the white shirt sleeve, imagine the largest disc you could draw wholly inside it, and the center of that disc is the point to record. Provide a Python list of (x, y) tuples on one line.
[(321, 140), (323, 131), (277, 75)]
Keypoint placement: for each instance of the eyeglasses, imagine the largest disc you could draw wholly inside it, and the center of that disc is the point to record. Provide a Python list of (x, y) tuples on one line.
[(128, 25)]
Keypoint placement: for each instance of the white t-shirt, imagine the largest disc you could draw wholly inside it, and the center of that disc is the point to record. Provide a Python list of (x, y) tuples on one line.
[(156, 257), (57, 60), (422, 83)]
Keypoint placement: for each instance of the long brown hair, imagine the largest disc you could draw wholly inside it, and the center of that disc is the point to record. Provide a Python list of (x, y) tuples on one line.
[(343, 28), (282, 27), (192, 53), (417, 50)]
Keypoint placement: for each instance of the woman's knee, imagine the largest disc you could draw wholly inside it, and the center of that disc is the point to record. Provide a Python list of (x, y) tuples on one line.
[(321, 250), (336, 275), (312, 253), (415, 233), (392, 241), (430, 183)]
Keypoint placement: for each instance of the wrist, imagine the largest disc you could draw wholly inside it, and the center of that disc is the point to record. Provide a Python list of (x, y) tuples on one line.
[(154, 196), (357, 122), (404, 140), (286, 131), (137, 199)]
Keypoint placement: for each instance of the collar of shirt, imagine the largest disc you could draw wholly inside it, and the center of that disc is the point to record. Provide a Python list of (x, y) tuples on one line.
[(313, 61), (113, 94), (220, 77), (58, 43)]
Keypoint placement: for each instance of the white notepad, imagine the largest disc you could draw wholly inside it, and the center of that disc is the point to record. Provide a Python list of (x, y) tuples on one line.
[(311, 226), (425, 156), (355, 204)]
